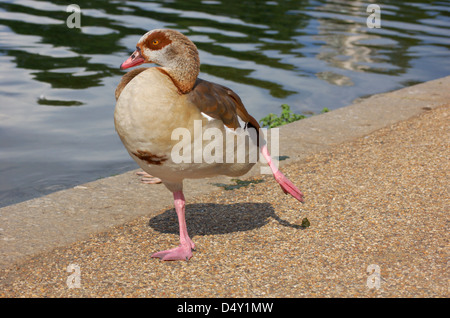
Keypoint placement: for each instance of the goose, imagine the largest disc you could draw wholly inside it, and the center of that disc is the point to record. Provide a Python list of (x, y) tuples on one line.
[(154, 102)]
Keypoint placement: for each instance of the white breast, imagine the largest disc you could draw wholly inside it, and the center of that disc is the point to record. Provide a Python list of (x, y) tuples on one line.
[(147, 113)]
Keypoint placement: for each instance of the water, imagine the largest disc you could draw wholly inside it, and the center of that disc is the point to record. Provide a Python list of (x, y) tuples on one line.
[(57, 84)]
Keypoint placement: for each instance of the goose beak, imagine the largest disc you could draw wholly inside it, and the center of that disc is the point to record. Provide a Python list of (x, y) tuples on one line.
[(135, 59)]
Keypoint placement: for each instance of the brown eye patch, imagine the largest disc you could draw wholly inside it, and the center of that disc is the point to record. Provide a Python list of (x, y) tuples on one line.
[(157, 40)]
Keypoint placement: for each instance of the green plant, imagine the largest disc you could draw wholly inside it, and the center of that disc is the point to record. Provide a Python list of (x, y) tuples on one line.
[(286, 117)]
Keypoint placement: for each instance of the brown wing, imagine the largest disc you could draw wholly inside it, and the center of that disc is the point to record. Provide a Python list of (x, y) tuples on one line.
[(220, 102), (126, 79)]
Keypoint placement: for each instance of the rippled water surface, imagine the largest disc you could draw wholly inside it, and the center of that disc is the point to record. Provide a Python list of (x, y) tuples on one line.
[(57, 84)]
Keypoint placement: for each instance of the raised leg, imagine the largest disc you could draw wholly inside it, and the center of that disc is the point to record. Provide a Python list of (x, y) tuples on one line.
[(184, 250), (285, 183)]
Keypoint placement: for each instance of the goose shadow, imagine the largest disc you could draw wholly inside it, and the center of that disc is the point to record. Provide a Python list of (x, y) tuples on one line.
[(212, 218)]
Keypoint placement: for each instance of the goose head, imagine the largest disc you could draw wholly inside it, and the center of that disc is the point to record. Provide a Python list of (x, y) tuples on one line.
[(174, 52)]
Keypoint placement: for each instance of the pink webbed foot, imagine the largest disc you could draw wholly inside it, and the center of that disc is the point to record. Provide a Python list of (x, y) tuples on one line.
[(147, 178), (180, 253), (184, 251), (287, 186)]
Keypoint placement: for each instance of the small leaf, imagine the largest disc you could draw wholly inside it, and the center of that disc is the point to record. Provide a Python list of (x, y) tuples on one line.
[(305, 223)]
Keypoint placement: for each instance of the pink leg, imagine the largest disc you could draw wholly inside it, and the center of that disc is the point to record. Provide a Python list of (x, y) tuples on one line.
[(184, 250), (285, 183)]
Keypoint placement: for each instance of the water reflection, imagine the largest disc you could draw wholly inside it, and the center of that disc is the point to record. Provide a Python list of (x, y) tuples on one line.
[(103, 29), (384, 51), (268, 34), (56, 83)]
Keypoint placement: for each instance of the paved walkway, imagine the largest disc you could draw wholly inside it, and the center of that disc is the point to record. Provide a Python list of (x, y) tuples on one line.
[(381, 199)]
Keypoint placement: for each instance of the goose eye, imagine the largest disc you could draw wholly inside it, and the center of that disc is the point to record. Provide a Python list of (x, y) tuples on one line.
[(155, 42)]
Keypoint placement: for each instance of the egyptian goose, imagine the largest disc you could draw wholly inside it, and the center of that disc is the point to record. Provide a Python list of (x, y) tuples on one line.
[(153, 102)]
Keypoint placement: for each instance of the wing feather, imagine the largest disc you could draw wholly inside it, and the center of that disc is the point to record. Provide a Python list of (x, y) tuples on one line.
[(221, 103)]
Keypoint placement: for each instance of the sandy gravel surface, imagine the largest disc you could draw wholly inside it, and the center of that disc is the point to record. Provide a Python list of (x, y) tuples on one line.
[(381, 200)]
